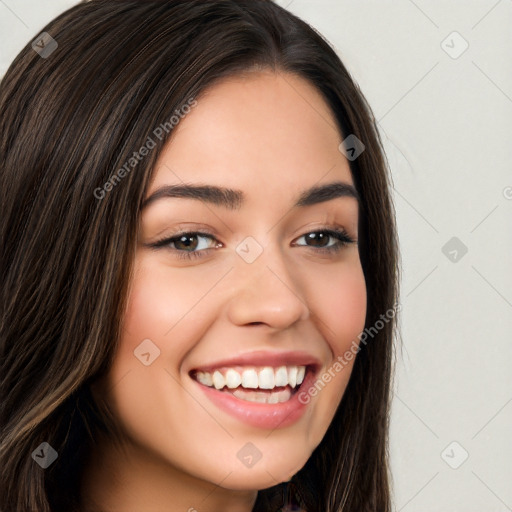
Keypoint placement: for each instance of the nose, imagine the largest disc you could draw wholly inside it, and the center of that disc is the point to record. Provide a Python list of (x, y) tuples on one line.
[(266, 292)]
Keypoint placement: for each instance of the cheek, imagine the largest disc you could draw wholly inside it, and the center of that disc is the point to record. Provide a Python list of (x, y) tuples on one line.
[(148, 400), (159, 321), (161, 307), (156, 300), (342, 307)]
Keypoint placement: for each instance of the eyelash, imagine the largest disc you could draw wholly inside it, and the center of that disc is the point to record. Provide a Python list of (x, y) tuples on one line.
[(344, 239)]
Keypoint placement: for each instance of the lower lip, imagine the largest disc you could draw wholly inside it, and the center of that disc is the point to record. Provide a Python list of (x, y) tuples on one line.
[(268, 416)]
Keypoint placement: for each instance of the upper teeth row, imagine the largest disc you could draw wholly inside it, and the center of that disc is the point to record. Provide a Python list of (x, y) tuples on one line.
[(252, 378)]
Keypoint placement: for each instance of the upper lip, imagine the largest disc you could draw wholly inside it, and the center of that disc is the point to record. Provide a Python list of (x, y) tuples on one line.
[(264, 358)]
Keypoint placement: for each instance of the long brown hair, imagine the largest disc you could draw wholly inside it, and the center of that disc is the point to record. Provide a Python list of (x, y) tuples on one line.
[(68, 121)]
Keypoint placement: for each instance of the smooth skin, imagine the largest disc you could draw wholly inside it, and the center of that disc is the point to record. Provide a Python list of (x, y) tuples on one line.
[(272, 136)]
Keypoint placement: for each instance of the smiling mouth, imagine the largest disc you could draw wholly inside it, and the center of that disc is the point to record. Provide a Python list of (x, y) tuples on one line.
[(260, 384)]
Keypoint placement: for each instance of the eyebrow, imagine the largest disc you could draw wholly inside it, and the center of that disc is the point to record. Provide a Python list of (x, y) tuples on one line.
[(234, 199)]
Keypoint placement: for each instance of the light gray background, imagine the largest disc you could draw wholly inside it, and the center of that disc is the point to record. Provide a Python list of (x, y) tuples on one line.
[(447, 128)]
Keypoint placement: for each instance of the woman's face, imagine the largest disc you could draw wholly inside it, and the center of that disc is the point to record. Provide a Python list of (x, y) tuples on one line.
[(256, 294)]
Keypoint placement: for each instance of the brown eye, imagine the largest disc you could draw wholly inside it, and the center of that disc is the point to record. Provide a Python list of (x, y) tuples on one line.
[(186, 242), (320, 240), (187, 245)]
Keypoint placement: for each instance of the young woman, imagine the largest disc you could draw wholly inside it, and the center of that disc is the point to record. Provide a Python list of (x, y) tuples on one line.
[(199, 267)]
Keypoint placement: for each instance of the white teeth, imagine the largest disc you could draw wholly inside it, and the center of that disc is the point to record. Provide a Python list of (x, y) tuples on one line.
[(249, 379), (292, 376), (205, 378), (266, 378), (258, 397), (233, 379), (254, 378), (218, 380), (281, 376), (263, 397), (273, 398), (300, 374)]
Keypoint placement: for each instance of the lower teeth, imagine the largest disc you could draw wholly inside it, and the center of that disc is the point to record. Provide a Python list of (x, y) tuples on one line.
[(263, 397)]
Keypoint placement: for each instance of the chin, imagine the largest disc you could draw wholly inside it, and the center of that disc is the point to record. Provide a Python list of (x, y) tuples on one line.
[(262, 475)]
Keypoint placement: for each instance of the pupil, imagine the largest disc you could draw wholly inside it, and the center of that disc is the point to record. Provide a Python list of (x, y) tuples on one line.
[(315, 237), (186, 241)]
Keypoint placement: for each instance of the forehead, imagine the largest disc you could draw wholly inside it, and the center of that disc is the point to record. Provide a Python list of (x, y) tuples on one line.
[(269, 131)]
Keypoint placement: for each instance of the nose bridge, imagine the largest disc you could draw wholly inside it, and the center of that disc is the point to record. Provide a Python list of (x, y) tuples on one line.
[(265, 289)]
